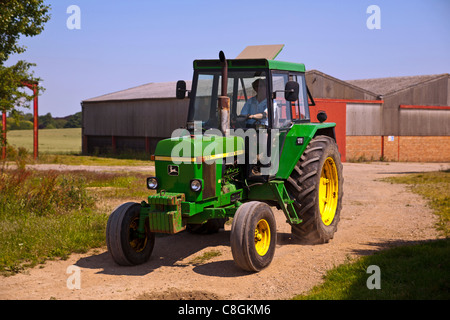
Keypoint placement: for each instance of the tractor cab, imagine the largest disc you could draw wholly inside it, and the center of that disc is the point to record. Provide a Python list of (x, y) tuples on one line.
[(253, 87), (260, 96), (264, 99)]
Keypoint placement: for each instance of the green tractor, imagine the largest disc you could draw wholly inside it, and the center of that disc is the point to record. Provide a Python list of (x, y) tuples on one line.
[(249, 145)]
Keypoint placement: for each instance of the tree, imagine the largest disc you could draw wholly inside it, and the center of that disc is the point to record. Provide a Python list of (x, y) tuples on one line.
[(11, 79), (20, 17), (74, 121), (46, 121), (17, 18)]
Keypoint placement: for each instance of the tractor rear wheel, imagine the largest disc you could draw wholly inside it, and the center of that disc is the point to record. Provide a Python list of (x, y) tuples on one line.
[(124, 243), (316, 185), (253, 236)]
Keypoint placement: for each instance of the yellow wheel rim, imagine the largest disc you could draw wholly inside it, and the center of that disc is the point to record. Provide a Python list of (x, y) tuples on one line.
[(262, 237), (328, 191)]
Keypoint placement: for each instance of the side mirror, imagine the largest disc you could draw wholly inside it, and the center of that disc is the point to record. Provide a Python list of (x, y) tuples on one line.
[(181, 89), (291, 91)]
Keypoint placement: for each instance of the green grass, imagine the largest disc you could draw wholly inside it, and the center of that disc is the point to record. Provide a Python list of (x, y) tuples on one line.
[(205, 257), (50, 140), (409, 272), (48, 214), (77, 160), (63, 146)]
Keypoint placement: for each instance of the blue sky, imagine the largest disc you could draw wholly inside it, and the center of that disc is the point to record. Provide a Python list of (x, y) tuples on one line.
[(122, 44)]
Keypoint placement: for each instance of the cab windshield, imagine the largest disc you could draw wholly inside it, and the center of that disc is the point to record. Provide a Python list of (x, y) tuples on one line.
[(248, 93), (252, 105)]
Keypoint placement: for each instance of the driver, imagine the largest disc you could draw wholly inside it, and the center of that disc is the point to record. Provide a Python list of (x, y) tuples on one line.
[(256, 107)]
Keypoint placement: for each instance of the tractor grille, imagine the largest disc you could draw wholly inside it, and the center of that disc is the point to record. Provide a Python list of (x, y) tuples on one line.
[(209, 179)]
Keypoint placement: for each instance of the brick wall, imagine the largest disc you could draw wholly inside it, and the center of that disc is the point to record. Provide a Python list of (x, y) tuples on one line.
[(427, 149), (403, 148), (363, 148), (390, 144)]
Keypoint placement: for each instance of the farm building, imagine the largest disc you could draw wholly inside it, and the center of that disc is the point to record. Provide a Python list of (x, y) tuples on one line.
[(134, 119), (414, 121), (401, 118), (397, 118)]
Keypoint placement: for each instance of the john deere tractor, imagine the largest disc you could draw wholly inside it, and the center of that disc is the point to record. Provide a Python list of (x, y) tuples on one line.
[(249, 146)]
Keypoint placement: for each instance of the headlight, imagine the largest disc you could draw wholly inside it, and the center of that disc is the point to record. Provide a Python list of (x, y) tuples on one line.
[(196, 185), (152, 183)]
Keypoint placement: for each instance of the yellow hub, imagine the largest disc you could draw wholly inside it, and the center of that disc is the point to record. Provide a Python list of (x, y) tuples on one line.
[(262, 237), (328, 191)]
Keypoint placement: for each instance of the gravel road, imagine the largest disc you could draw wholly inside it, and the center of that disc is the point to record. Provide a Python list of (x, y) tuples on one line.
[(375, 215)]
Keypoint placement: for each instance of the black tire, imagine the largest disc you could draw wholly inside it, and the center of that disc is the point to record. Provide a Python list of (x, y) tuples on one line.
[(125, 247), (253, 236), (304, 185)]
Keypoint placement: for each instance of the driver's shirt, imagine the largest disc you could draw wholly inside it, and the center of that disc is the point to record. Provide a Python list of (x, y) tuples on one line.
[(252, 106)]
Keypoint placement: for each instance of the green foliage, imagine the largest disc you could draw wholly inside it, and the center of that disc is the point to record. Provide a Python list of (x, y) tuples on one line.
[(12, 94), (13, 124), (19, 18), (46, 121), (74, 121), (49, 214), (18, 120), (45, 215)]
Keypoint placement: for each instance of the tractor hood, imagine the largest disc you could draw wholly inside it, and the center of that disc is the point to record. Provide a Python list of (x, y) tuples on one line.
[(197, 149), (178, 161)]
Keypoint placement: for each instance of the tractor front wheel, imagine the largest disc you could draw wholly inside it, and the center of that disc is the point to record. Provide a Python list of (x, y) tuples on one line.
[(125, 244), (253, 236)]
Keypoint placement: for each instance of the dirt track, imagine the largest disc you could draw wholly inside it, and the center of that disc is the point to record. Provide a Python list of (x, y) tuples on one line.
[(375, 215)]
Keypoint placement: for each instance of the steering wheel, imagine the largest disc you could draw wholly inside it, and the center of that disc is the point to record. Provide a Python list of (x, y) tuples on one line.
[(239, 121)]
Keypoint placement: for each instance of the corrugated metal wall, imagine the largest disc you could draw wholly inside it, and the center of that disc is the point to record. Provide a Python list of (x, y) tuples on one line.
[(423, 122), (134, 118), (136, 125), (364, 119), (432, 93)]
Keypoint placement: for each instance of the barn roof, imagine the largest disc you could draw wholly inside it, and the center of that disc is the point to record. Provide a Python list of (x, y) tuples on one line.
[(385, 86), (159, 90), (311, 73)]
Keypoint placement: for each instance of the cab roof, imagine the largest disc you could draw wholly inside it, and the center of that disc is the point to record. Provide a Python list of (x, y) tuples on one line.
[(250, 63)]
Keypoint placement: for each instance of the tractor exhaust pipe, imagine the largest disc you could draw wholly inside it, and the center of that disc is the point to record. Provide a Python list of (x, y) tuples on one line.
[(224, 101)]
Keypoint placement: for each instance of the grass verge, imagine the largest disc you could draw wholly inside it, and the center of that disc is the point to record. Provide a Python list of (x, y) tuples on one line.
[(409, 272), (435, 187), (51, 214)]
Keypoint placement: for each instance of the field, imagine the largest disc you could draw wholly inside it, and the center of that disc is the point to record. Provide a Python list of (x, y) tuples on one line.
[(52, 141)]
